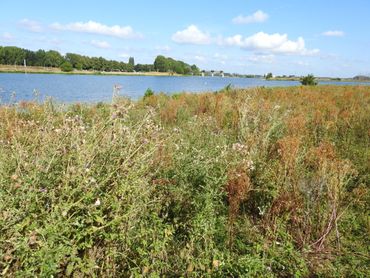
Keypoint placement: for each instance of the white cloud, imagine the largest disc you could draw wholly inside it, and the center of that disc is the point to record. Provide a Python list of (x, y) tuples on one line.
[(262, 58), (191, 35), (335, 33), (275, 43), (100, 44), (164, 48), (123, 32), (258, 17), (30, 25)]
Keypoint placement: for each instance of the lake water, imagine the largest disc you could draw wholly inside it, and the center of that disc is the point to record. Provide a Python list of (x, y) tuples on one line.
[(95, 88)]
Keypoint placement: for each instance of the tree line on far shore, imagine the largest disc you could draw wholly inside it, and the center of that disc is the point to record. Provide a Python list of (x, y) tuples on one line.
[(11, 55)]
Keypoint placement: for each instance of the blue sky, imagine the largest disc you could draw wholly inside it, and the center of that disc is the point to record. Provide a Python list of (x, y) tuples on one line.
[(323, 37)]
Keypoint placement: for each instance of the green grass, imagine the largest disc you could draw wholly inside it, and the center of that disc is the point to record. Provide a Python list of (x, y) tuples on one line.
[(238, 183)]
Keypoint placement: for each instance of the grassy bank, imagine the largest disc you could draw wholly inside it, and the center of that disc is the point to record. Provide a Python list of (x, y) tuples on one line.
[(319, 79), (51, 70), (261, 183)]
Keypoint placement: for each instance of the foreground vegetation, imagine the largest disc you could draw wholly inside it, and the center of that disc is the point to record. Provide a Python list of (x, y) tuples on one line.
[(259, 182)]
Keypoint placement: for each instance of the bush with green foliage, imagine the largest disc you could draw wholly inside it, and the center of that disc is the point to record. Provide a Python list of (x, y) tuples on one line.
[(308, 80), (149, 92), (66, 67), (269, 75)]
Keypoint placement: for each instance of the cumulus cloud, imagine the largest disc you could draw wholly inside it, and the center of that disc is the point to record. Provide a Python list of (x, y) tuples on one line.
[(259, 42), (258, 17), (275, 43), (123, 32), (335, 33), (100, 44), (30, 25), (191, 35)]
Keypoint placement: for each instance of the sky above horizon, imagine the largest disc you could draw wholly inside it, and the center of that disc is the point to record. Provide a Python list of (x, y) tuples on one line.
[(290, 37)]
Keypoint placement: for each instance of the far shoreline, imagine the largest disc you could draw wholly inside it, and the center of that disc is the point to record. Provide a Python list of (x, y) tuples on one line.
[(52, 70), (319, 79)]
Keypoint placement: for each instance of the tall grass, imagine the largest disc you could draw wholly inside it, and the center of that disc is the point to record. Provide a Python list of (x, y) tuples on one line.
[(257, 182)]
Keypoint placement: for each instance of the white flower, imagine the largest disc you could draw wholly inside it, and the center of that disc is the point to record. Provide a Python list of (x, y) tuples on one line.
[(97, 202), (250, 165), (238, 147), (261, 211)]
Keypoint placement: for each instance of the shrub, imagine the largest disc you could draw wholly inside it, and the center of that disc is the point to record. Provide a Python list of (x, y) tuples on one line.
[(269, 75), (149, 92), (308, 80), (66, 67)]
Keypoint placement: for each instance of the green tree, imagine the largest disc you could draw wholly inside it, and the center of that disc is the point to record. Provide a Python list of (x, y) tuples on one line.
[(11, 55), (53, 58), (161, 64), (40, 58), (79, 66), (144, 67), (66, 67), (178, 68), (309, 80), (269, 75), (195, 70), (102, 64), (30, 58), (76, 60)]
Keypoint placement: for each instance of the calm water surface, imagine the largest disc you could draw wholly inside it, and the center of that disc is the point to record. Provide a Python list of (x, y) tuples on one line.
[(95, 88)]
